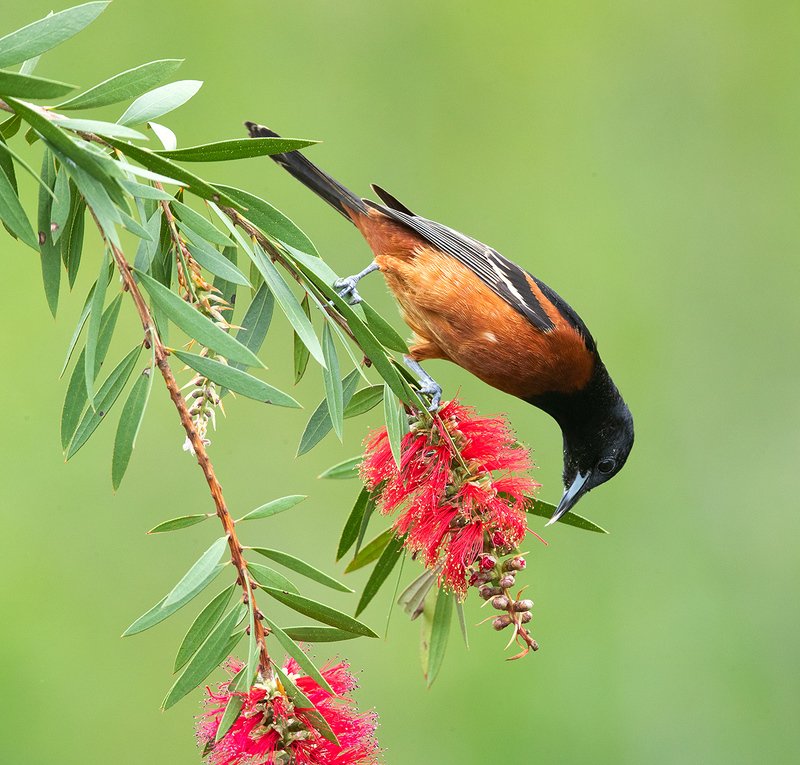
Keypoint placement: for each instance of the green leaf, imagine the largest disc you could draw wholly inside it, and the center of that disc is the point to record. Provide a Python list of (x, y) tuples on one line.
[(229, 716), (383, 331), (102, 128), (129, 423), (309, 711), (313, 634), (198, 223), (10, 127), (299, 655), (302, 568), (364, 400), (371, 551), (13, 214), (93, 330), (157, 164), (319, 424), (214, 262), (237, 148), (320, 612), (412, 599), (237, 380), (182, 522), (46, 33), (256, 321), (100, 203), (202, 626), (211, 654), (388, 560), (148, 247), (143, 191), (76, 398), (72, 237), (268, 577), (396, 423), (62, 204), (271, 221), (300, 352), (194, 324), (462, 622), (160, 101), (28, 86), (546, 510), (6, 164), (333, 385), (345, 469), (106, 396), (77, 333), (168, 139), (273, 508), (50, 253), (288, 302), (124, 86), (440, 632), (199, 571), (158, 612), (353, 524)]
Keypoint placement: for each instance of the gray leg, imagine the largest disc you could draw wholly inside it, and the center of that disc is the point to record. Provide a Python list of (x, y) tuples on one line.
[(427, 385), (347, 286)]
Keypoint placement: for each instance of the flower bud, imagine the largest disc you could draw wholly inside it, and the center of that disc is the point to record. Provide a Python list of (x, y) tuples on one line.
[(479, 577), (500, 603), (523, 605), (487, 592), (487, 561), (515, 564), (526, 617), (507, 580), (501, 622)]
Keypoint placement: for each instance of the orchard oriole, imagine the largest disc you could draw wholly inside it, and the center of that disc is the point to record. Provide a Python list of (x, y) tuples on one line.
[(467, 303)]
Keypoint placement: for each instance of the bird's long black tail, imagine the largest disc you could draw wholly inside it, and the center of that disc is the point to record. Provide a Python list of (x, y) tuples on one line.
[(337, 196)]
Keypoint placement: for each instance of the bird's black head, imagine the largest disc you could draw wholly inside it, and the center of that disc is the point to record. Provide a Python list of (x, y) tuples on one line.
[(598, 436)]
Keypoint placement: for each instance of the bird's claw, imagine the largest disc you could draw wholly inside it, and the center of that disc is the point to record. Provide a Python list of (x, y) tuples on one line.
[(346, 289), (434, 390)]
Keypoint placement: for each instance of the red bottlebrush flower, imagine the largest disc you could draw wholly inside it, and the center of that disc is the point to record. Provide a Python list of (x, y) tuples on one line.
[(271, 730), (459, 488)]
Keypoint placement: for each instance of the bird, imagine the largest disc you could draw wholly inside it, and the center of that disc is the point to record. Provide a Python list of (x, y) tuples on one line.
[(467, 304)]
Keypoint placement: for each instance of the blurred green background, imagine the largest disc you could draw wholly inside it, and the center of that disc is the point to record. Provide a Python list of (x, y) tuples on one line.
[(642, 158)]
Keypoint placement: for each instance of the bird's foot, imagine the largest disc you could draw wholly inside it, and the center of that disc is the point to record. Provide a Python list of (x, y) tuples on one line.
[(434, 390), (346, 289)]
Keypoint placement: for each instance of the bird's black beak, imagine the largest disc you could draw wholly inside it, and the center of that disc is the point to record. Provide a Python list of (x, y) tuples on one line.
[(571, 496)]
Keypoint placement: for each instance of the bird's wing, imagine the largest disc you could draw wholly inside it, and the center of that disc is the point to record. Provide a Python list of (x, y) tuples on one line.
[(506, 279)]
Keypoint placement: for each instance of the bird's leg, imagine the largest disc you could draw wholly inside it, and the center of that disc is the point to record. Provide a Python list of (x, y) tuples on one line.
[(347, 286), (427, 385)]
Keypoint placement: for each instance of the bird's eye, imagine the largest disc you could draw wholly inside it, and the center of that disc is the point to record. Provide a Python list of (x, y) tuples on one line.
[(606, 466)]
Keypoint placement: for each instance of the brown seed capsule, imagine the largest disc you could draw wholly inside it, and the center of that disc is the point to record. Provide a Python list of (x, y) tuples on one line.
[(507, 581), (487, 592), (500, 603), (523, 605), (526, 617), (501, 622)]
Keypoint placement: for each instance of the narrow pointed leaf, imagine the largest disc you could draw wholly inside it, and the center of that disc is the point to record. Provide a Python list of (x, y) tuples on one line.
[(50, 253), (198, 224), (396, 423), (268, 577), (211, 654), (46, 33), (28, 86), (236, 148), (346, 469), (388, 560), (309, 711), (123, 86), (129, 423), (76, 334), (106, 396), (237, 380), (383, 331), (315, 634), (159, 101), (299, 655), (216, 263), (546, 510), (93, 330), (229, 716), (364, 400), (371, 551), (257, 319), (412, 599), (319, 424), (320, 612), (143, 191), (300, 352), (194, 324), (288, 302), (202, 626), (168, 139), (159, 612), (440, 632), (102, 128), (302, 568), (182, 522), (62, 204), (333, 385), (13, 214), (462, 622), (72, 237), (369, 511), (204, 565), (273, 508), (352, 524)]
